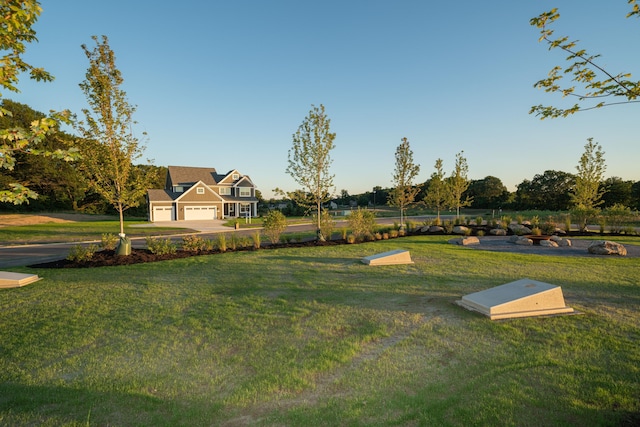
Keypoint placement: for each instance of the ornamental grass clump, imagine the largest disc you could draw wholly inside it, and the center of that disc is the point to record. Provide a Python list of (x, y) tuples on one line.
[(222, 242)]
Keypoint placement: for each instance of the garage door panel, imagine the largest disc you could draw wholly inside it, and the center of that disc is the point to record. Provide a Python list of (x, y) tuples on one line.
[(192, 213), (163, 213)]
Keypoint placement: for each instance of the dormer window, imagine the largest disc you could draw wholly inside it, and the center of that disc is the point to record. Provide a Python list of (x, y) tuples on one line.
[(178, 189), (235, 176)]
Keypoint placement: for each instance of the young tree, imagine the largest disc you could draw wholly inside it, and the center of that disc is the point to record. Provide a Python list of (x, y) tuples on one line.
[(18, 17), (458, 184), (109, 147), (587, 193), (438, 195), (590, 175), (596, 82), (309, 162), (404, 192)]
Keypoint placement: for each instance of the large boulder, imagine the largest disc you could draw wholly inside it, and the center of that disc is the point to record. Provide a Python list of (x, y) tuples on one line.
[(465, 241), (461, 229), (519, 229), (561, 241), (606, 247), (498, 232), (548, 243), (524, 241)]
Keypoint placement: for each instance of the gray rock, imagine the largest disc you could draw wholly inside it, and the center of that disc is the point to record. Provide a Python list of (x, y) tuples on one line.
[(465, 241), (561, 241), (498, 232), (519, 229), (523, 241), (460, 229), (606, 247)]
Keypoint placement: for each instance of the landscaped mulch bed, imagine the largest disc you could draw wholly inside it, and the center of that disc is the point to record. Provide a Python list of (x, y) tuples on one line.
[(138, 256)]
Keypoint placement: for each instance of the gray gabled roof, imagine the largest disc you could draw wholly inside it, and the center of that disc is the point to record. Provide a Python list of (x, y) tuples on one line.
[(187, 175), (155, 195)]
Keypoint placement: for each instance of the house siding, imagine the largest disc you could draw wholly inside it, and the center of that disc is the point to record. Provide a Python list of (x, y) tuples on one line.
[(192, 178)]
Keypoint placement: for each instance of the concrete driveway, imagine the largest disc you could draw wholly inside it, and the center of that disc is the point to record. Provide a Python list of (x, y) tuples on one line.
[(203, 226)]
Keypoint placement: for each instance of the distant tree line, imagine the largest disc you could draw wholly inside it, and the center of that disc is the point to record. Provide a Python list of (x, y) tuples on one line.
[(59, 184)]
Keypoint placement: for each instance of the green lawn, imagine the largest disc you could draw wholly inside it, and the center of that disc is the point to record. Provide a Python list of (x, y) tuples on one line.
[(79, 231), (312, 336)]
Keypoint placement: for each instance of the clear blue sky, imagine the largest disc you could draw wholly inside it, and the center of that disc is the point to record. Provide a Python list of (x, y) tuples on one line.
[(225, 84)]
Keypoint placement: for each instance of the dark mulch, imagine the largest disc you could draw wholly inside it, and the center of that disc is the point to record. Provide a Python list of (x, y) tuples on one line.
[(109, 258)]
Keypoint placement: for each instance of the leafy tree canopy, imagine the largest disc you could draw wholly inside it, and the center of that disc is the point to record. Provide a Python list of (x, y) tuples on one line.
[(597, 86)]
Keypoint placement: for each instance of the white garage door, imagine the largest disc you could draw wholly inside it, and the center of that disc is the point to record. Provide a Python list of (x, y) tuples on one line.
[(200, 212), (163, 213)]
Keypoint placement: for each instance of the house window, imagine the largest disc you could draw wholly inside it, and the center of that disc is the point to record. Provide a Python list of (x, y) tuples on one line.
[(235, 176), (225, 191), (245, 208), (245, 192), (178, 189), (200, 190)]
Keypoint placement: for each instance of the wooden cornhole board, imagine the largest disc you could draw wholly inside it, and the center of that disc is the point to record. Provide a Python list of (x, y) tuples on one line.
[(522, 298), (15, 280), (399, 256)]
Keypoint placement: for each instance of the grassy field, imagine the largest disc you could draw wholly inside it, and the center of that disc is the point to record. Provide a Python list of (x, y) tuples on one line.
[(78, 231), (312, 336)]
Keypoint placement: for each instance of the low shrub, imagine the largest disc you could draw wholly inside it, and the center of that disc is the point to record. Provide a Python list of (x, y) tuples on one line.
[(548, 228), (81, 253), (196, 244), (109, 241), (274, 224), (161, 246), (362, 222), (351, 238), (448, 226)]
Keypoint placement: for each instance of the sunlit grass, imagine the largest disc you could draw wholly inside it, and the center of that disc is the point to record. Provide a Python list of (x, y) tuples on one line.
[(312, 336), (77, 231)]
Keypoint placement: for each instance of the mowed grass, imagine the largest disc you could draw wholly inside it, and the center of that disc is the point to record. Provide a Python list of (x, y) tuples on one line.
[(312, 336), (78, 231)]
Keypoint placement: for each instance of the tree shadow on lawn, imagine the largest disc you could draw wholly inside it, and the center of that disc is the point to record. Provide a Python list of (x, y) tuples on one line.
[(40, 403)]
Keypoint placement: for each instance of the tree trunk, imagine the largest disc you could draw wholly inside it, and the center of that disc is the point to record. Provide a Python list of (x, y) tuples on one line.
[(121, 220)]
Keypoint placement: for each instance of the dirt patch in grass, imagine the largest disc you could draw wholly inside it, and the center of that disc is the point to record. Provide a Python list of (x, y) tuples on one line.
[(9, 220)]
